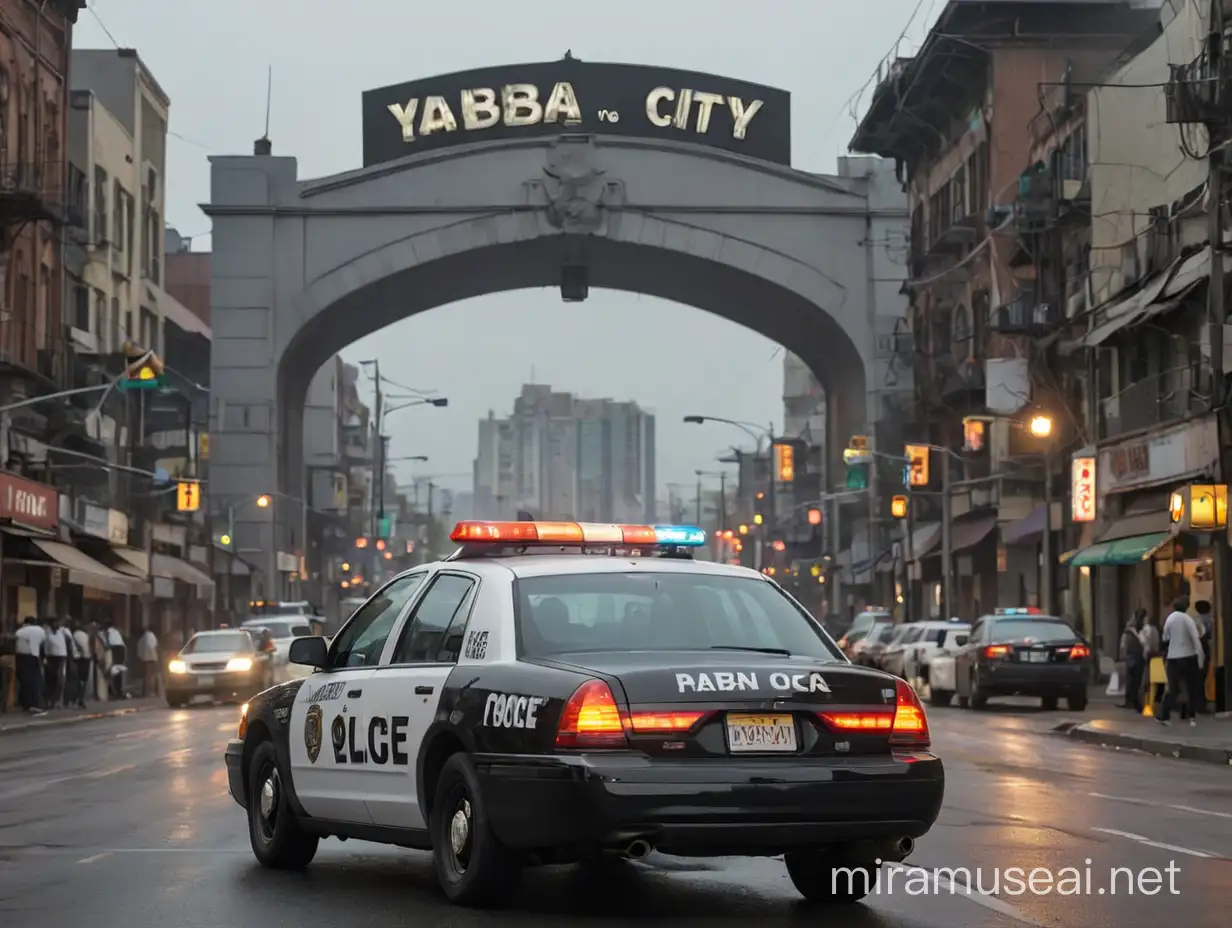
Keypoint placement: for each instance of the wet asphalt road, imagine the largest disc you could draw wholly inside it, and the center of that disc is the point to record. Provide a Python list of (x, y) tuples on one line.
[(127, 820)]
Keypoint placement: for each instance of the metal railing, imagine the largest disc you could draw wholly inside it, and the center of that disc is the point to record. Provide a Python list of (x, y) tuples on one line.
[(1163, 397)]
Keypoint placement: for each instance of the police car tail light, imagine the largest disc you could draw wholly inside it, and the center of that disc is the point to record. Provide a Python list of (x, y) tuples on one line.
[(1078, 652), (996, 651), (881, 720), (663, 723), (591, 719), (910, 724)]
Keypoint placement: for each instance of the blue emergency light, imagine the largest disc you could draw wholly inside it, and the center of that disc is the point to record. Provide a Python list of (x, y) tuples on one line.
[(685, 536)]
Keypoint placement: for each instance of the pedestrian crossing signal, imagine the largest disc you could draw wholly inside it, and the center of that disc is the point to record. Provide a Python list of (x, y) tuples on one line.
[(187, 496)]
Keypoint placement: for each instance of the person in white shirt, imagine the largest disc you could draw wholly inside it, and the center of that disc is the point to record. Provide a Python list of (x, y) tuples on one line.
[(147, 655), (1184, 662), (30, 639), (83, 659), (55, 659), (119, 656)]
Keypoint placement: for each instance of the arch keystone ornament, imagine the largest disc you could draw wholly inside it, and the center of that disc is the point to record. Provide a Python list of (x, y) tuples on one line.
[(565, 174)]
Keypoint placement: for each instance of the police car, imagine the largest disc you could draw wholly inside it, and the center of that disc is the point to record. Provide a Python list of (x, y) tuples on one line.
[(555, 692)]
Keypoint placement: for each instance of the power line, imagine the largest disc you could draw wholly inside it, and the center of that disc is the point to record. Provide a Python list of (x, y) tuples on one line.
[(102, 25)]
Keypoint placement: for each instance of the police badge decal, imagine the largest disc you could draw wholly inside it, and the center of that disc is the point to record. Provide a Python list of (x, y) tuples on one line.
[(313, 732)]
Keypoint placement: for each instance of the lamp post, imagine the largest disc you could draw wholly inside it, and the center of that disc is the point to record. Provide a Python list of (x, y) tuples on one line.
[(1040, 426), (756, 432)]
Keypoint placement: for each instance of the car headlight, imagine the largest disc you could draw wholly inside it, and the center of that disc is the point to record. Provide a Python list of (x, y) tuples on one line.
[(239, 664), (177, 667)]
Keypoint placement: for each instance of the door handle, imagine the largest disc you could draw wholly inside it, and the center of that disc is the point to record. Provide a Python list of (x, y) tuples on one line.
[(354, 694), (423, 690)]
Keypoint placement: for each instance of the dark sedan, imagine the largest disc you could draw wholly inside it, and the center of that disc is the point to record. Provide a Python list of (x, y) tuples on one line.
[(1019, 652)]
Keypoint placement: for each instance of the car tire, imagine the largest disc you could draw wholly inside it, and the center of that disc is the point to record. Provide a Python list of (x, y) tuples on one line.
[(472, 866), (826, 878), (940, 698), (278, 840), (979, 698), (1077, 702), (1049, 703)]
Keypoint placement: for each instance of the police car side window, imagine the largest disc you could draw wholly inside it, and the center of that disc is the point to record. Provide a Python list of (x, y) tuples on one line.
[(424, 637), (363, 639)]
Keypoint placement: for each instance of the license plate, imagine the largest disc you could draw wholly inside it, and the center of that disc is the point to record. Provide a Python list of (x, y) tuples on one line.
[(1038, 657), (205, 681), (759, 733)]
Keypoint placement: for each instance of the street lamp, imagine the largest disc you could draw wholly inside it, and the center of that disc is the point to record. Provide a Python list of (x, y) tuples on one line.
[(755, 432), (262, 501), (1040, 426)]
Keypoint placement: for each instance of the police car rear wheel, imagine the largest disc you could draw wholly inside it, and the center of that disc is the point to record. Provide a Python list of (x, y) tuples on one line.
[(472, 866), (824, 877), (277, 839)]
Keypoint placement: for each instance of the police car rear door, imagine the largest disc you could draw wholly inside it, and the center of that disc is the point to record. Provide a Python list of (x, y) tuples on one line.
[(326, 737), (406, 690)]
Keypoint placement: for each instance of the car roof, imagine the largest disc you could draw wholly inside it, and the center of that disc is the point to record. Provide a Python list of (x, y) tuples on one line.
[(212, 632), (547, 565)]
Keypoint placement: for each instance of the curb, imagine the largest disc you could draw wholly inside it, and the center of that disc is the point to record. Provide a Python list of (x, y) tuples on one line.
[(73, 719), (1183, 750)]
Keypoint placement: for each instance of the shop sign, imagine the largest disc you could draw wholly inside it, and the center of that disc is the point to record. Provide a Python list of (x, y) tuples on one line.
[(1082, 490), (1169, 456), (93, 519), (117, 527), (24, 502)]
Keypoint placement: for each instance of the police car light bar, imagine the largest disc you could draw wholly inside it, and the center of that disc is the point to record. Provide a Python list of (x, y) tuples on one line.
[(1025, 610), (577, 533)]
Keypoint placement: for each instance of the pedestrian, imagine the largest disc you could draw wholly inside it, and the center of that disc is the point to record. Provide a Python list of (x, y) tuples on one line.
[(1133, 654), (55, 651), (1206, 632), (1184, 662), (119, 654), (84, 660), (147, 657), (29, 648)]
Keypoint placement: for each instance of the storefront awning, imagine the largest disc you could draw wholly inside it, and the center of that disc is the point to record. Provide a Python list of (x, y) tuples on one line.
[(1026, 528), (1134, 524), (1131, 550), (83, 570), (965, 535), (923, 540), (1161, 294), (167, 568)]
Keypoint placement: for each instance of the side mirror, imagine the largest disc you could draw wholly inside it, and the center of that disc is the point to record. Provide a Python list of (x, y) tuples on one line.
[(310, 652)]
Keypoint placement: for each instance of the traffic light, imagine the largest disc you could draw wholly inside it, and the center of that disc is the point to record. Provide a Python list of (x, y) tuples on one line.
[(142, 370), (858, 460), (814, 517), (223, 540), (187, 496), (784, 462), (917, 465), (898, 507)]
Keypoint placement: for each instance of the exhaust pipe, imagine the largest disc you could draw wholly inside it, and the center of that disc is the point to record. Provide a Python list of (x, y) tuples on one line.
[(905, 846), (636, 850)]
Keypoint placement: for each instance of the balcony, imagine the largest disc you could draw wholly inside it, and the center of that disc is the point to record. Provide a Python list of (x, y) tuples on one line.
[(32, 191), (1026, 315), (1162, 398)]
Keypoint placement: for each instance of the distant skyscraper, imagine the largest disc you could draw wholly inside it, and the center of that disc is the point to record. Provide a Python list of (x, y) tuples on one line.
[(562, 457)]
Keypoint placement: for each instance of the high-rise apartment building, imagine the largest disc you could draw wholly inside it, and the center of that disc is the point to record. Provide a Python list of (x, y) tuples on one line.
[(561, 456)]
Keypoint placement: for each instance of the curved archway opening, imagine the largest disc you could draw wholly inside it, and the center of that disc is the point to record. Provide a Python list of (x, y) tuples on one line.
[(756, 303)]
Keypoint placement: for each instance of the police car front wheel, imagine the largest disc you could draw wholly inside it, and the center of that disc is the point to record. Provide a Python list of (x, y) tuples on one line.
[(473, 867), (277, 839)]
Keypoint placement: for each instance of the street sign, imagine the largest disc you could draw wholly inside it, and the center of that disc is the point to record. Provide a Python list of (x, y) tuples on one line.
[(188, 496)]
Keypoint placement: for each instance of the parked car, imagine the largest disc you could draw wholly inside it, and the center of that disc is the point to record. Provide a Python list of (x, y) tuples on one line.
[(860, 627), (879, 633), (933, 637), (894, 657), (875, 647), (283, 630), (939, 671), (1022, 652)]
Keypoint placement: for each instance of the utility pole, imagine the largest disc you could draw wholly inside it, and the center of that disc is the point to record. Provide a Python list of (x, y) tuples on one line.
[(1048, 568), (722, 501), (947, 543), (699, 499), (428, 527), (909, 555)]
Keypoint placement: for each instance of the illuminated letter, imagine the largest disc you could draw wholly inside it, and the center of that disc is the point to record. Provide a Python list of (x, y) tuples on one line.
[(437, 117), (653, 99), (705, 103), (479, 108), (406, 118), (742, 116), (521, 104), (562, 103), (684, 103)]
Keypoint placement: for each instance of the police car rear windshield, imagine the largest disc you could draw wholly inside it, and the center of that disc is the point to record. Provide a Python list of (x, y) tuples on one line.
[(228, 642), (573, 612), (281, 629), (1044, 629)]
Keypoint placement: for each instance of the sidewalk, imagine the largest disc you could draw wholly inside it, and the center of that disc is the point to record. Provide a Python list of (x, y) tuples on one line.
[(1210, 742), (15, 721)]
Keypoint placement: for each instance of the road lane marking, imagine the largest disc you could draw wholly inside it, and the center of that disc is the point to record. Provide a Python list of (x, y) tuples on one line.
[(109, 772), (1164, 805), (91, 859), (1142, 839), (960, 891)]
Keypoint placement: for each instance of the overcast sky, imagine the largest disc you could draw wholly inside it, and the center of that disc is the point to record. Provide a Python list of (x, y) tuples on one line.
[(212, 57)]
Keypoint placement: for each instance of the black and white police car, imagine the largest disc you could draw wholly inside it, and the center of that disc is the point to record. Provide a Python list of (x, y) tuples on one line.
[(553, 692)]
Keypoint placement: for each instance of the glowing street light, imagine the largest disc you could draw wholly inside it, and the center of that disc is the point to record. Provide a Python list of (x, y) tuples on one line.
[(263, 502), (1040, 426)]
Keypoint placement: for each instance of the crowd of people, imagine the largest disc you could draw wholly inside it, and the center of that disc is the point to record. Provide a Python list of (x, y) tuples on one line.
[(1184, 644), (54, 664)]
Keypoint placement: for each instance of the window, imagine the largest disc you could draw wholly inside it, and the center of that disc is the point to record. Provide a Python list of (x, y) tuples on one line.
[(440, 615), (662, 612), (99, 231), (977, 630), (81, 307), (118, 238), (362, 639), (1042, 631), (913, 635), (224, 643)]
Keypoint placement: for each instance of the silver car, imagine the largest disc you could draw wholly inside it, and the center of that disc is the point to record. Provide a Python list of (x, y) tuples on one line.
[(223, 665)]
